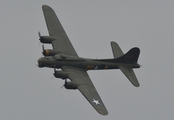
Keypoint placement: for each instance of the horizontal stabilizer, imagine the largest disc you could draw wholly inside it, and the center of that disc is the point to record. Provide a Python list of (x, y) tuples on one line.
[(129, 73)]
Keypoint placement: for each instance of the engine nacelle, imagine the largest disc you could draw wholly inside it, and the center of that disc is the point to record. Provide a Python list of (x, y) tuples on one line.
[(47, 39), (70, 85), (49, 52), (61, 74)]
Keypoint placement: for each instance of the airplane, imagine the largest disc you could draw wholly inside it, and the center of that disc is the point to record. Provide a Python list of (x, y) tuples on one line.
[(68, 65)]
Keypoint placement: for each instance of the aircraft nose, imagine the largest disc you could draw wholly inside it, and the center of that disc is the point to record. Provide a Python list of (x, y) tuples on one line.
[(39, 62)]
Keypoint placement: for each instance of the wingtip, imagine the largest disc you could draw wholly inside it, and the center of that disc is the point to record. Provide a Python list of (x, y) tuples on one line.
[(138, 85), (46, 7), (104, 113)]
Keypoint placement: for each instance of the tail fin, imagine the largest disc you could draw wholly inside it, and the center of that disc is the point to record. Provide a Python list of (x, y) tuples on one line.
[(130, 57), (117, 52)]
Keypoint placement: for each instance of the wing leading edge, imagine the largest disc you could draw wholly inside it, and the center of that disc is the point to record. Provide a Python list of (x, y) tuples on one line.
[(86, 87)]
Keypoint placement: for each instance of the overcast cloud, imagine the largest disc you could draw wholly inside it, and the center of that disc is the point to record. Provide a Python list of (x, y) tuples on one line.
[(28, 92)]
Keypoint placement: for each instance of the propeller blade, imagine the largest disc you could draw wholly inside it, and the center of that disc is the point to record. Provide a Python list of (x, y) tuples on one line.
[(39, 38), (52, 77), (61, 87), (65, 82), (39, 34), (43, 48), (54, 72)]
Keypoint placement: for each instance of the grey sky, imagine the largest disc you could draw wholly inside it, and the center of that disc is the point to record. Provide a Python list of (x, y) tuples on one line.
[(28, 93)]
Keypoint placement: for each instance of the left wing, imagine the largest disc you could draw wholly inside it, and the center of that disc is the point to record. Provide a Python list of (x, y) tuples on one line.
[(86, 87)]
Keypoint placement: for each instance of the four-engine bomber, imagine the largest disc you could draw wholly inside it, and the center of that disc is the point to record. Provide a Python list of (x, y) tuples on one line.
[(70, 66)]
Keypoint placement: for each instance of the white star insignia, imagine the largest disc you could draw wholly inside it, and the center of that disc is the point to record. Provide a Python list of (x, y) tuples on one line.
[(96, 102)]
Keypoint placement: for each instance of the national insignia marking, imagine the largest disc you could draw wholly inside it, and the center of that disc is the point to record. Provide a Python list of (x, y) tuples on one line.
[(96, 102)]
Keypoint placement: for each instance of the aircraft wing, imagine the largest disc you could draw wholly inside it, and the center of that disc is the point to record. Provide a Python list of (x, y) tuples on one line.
[(55, 29), (86, 87)]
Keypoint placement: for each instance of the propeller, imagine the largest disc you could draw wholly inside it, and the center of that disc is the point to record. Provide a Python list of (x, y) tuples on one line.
[(64, 84), (52, 77), (40, 37), (54, 71), (43, 50)]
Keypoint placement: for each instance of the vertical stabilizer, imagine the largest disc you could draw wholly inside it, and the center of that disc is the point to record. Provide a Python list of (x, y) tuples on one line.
[(117, 52), (127, 70)]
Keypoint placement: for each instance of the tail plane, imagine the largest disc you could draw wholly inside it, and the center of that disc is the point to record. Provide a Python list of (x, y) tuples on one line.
[(131, 57)]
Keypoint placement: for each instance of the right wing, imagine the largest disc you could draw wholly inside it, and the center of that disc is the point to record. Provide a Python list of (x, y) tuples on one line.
[(55, 29), (86, 87)]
